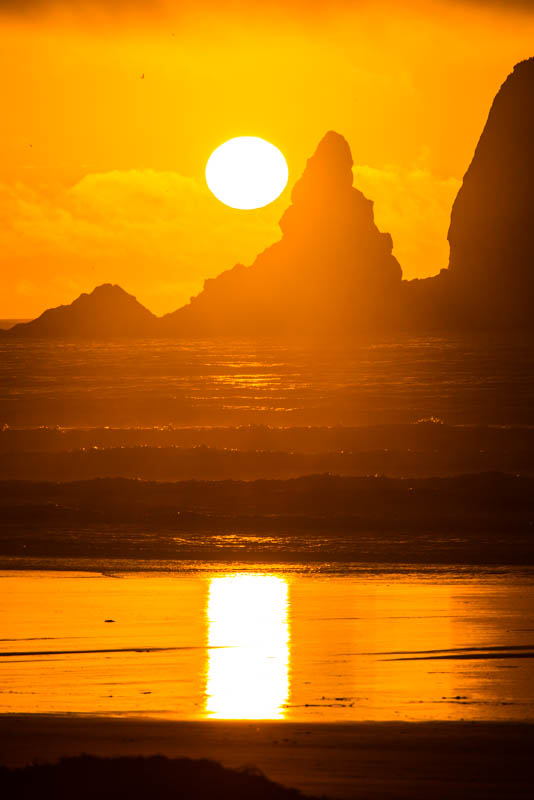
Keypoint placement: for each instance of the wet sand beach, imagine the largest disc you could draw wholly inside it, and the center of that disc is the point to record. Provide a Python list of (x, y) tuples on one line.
[(237, 641), (405, 761)]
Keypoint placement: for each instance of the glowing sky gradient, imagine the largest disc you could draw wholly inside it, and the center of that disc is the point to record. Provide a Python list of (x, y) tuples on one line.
[(102, 170)]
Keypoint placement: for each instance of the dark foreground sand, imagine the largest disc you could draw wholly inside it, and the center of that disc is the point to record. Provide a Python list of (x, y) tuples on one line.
[(359, 760)]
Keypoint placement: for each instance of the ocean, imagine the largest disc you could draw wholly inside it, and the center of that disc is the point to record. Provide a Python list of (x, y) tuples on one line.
[(463, 381), (234, 530)]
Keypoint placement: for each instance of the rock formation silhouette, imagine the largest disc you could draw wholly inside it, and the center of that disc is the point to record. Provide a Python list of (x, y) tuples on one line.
[(86, 777), (106, 313), (490, 279), (332, 268), (491, 236), (333, 271)]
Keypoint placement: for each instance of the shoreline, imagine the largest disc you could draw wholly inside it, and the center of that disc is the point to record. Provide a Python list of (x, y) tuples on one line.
[(94, 566)]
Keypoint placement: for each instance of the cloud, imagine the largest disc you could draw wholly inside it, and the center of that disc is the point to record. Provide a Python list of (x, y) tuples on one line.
[(101, 10), (503, 4), (159, 234), (172, 7)]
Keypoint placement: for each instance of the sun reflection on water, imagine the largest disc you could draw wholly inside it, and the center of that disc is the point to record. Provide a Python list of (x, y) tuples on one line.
[(248, 678)]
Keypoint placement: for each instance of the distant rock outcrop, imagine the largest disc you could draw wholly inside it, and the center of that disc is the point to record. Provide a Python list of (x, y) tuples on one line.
[(108, 312), (332, 268)]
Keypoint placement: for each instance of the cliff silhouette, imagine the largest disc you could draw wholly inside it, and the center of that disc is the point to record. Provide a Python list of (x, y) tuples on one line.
[(489, 282), (333, 271), (491, 234)]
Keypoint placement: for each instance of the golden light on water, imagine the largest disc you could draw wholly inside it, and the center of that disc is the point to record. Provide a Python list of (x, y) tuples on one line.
[(248, 678), (379, 647)]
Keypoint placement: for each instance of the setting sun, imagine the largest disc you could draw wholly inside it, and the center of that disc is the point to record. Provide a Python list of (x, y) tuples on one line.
[(247, 172)]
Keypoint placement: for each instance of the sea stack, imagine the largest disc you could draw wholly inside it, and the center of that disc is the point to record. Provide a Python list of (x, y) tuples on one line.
[(332, 270), (108, 312)]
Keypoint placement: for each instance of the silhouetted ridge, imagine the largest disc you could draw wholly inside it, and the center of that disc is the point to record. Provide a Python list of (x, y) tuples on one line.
[(107, 312), (156, 777), (331, 269)]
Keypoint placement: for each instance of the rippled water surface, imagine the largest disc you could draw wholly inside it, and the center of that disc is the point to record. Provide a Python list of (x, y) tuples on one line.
[(157, 382)]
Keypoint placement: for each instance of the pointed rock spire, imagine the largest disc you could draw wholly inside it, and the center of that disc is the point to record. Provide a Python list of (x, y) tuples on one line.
[(331, 267)]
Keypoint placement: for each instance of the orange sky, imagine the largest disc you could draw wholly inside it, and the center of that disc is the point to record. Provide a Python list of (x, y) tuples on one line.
[(102, 173)]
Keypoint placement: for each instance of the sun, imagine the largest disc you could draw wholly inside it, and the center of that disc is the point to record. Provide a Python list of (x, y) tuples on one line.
[(247, 172)]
